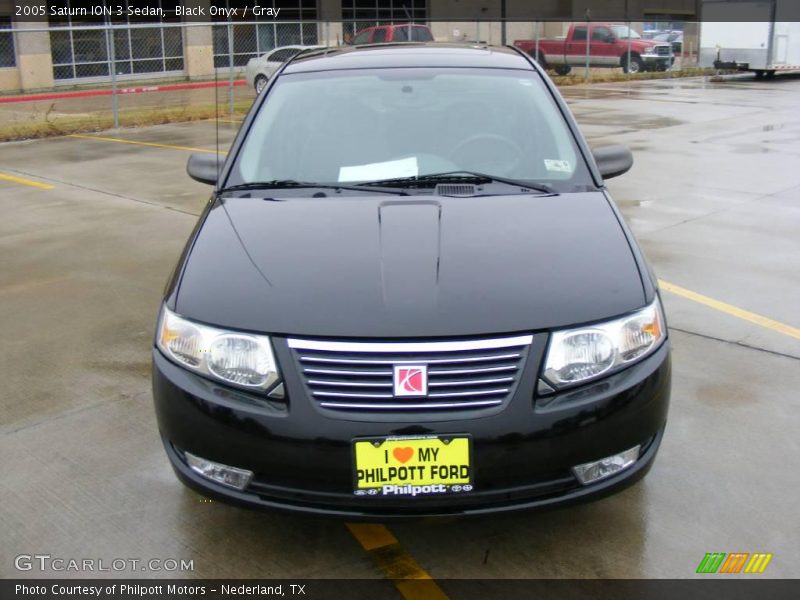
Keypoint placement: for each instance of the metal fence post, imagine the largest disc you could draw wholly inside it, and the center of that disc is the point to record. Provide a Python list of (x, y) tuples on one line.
[(588, 46), (477, 31), (230, 66), (628, 60), (112, 71), (536, 42)]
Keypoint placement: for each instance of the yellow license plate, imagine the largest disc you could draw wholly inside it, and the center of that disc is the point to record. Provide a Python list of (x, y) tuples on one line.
[(412, 466)]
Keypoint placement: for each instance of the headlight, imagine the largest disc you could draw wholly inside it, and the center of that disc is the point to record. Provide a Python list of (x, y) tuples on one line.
[(577, 355), (241, 359)]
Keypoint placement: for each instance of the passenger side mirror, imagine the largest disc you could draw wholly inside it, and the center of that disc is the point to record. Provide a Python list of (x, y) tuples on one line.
[(613, 160), (204, 167)]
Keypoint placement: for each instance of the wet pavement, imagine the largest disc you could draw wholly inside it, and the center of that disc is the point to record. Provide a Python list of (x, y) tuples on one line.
[(714, 198)]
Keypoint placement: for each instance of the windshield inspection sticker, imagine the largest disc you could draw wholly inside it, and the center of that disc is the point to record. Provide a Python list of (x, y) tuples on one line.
[(562, 166), (405, 167)]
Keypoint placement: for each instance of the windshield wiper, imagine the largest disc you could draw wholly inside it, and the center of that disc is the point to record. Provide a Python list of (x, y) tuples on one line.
[(433, 179), (277, 184)]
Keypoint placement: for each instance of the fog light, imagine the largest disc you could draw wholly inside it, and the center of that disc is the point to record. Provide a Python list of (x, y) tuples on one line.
[(606, 467), (237, 478)]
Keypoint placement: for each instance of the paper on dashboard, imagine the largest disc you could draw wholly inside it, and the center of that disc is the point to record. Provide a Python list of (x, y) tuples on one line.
[(391, 169)]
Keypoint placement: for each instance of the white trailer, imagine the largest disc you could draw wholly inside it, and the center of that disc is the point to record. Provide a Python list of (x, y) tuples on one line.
[(765, 45)]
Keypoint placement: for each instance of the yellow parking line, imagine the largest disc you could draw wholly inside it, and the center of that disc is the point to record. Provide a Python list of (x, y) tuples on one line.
[(230, 121), (28, 182), (411, 580), (731, 310), (136, 143)]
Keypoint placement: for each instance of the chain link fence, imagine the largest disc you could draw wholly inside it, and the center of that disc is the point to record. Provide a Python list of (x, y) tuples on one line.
[(95, 77)]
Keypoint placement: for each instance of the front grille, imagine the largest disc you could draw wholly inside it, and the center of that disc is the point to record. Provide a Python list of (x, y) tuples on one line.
[(663, 50), (466, 374)]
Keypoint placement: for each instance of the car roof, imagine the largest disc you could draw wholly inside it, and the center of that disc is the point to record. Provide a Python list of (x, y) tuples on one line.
[(408, 54), (291, 47)]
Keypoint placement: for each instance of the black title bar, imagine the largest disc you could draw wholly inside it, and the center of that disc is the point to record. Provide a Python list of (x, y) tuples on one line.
[(100, 11)]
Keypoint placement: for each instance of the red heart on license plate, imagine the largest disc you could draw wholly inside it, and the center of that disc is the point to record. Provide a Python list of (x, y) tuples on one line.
[(403, 454)]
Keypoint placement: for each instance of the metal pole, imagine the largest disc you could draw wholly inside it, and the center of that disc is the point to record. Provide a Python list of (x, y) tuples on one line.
[(477, 31), (327, 33), (628, 63), (536, 41), (588, 46), (230, 66), (503, 22), (112, 68)]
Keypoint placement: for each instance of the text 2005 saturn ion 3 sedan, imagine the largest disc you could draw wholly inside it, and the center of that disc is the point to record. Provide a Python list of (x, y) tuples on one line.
[(411, 294)]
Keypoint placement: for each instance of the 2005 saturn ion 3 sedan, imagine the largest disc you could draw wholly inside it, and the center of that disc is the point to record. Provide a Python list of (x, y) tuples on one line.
[(411, 294)]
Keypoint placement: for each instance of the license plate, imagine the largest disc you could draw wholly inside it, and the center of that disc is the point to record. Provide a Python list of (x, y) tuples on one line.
[(412, 466)]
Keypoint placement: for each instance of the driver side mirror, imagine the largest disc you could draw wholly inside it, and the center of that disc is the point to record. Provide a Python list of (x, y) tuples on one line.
[(613, 160), (204, 167)]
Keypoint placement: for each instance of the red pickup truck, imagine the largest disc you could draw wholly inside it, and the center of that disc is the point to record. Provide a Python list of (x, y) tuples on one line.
[(608, 47), (393, 33)]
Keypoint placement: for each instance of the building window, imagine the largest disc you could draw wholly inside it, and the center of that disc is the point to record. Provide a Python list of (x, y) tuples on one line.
[(8, 57), (295, 27), (358, 14), (81, 53)]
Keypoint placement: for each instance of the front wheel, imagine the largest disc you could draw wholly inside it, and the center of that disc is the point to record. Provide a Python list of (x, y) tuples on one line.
[(539, 58), (261, 83), (563, 69), (635, 65)]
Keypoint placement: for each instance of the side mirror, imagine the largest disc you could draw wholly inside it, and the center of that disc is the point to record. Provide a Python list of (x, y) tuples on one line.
[(613, 160), (204, 167), (610, 38)]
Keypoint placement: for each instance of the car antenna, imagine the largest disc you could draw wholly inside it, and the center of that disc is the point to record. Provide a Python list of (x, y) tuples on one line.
[(216, 119)]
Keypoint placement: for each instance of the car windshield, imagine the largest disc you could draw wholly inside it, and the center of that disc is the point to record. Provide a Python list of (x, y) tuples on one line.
[(360, 126), (624, 32)]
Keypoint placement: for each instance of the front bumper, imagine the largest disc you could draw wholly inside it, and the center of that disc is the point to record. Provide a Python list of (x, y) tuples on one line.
[(522, 456), (655, 61)]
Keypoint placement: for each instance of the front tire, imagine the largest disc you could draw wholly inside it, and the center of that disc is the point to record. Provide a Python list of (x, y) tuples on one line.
[(563, 69), (636, 64), (260, 84), (539, 58)]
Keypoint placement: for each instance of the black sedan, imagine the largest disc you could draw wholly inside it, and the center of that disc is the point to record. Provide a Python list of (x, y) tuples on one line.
[(410, 294)]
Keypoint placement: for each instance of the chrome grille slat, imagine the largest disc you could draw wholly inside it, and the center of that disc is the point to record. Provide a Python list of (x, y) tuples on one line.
[(470, 371), (408, 362), (404, 406), (462, 382), (470, 393), (348, 383), (345, 372), (351, 395), (463, 375)]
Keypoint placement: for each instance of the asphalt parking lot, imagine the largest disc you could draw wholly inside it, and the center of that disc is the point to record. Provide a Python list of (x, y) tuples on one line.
[(92, 226)]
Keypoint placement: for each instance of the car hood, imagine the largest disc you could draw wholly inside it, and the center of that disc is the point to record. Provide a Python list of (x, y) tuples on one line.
[(364, 266)]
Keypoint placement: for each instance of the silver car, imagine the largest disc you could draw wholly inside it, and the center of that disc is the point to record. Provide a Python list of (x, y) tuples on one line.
[(260, 68)]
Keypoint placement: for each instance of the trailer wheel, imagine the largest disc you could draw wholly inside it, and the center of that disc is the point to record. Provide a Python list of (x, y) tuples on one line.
[(636, 64), (770, 74), (563, 69), (759, 74)]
